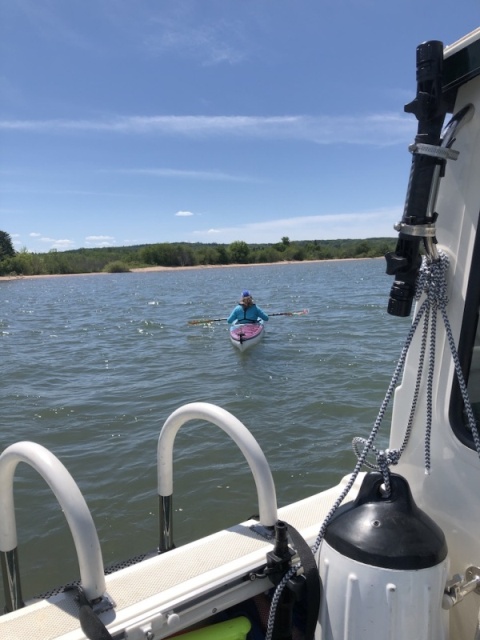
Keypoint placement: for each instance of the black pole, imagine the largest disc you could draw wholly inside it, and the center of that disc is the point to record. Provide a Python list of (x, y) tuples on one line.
[(278, 564), (430, 110)]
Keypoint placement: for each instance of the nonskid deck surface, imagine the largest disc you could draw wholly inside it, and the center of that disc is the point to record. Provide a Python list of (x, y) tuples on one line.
[(162, 583)]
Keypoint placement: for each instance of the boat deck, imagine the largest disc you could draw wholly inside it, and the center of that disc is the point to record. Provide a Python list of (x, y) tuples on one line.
[(158, 594)]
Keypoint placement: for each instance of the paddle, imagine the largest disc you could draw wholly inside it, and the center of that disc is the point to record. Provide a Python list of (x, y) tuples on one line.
[(303, 312)]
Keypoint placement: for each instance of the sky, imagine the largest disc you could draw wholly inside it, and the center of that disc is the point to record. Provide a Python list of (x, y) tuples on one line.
[(126, 122)]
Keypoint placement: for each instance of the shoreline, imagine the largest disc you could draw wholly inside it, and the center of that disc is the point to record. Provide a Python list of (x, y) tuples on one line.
[(199, 266)]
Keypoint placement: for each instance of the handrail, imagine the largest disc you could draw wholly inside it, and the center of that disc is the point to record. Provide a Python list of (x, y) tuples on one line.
[(267, 501), (74, 507)]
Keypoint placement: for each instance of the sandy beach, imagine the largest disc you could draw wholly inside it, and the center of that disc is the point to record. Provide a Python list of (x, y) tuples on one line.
[(200, 266)]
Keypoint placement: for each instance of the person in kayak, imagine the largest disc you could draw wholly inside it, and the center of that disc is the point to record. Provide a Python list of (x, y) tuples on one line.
[(246, 311)]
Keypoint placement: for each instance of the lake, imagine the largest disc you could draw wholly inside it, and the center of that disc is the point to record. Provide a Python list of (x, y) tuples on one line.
[(93, 365)]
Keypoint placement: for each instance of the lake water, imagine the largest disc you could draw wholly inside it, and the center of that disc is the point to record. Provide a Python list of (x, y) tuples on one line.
[(94, 365)]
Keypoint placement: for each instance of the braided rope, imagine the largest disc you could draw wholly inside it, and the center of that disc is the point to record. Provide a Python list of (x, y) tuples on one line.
[(416, 393), (431, 370), (276, 598), (360, 461), (431, 282), (373, 434), (437, 292)]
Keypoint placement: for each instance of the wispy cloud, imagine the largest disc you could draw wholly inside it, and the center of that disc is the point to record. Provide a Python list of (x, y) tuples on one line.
[(184, 214), (49, 24), (189, 34), (21, 188), (218, 176), (179, 29), (362, 224), (206, 44), (374, 129)]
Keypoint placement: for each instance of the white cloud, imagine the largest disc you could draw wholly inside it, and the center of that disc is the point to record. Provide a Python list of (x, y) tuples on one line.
[(100, 241), (60, 244), (99, 238), (184, 214)]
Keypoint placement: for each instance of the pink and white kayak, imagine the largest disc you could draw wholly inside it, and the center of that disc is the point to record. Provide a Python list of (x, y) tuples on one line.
[(244, 336)]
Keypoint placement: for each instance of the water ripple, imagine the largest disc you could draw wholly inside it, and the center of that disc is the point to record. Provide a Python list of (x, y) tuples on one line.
[(94, 366)]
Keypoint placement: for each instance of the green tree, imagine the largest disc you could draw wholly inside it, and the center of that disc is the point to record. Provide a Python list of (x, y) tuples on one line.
[(295, 252), (269, 254), (223, 257), (116, 266), (6, 246), (162, 254), (209, 255), (58, 263), (361, 249), (239, 252), (185, 256)]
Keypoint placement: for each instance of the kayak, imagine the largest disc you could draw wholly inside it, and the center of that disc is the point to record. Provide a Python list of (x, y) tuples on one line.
[(244, 336)]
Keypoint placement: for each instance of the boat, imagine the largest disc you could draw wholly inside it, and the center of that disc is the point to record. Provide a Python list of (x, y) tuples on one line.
[(244, 336), (391, 551)]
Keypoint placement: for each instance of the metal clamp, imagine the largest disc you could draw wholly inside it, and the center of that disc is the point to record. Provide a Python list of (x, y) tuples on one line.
[(435, 151), (426, 231), (418, 230), (460, 586)]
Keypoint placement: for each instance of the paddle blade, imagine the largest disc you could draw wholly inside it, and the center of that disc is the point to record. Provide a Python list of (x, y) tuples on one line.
[(303, 312)]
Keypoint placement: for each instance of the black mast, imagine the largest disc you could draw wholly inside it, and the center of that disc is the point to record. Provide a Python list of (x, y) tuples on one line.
[(430, 109)]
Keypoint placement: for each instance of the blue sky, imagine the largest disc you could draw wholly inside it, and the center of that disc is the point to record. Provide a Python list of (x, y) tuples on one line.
[(139, 121)]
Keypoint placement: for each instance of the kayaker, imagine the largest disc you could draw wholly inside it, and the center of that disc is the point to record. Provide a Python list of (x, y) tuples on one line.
[(246, 311)]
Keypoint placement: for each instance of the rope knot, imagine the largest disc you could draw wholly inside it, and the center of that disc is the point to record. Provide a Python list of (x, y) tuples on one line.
[(392, 456), (432, 280), (384, 458)]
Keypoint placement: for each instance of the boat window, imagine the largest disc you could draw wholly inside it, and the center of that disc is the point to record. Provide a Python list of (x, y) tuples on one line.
[(469, 354), (473, 385)]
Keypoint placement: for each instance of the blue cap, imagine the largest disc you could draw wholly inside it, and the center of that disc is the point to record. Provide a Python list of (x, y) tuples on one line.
[(245, 294)]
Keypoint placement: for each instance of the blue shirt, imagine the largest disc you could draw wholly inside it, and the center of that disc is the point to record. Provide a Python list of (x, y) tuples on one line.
[(243, 315)]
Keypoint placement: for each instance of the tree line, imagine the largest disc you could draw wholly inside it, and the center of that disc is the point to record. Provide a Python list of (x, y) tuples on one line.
[(181, 254)]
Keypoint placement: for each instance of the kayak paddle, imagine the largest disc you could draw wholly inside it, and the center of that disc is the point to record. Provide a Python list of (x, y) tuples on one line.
[(303, 312)]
